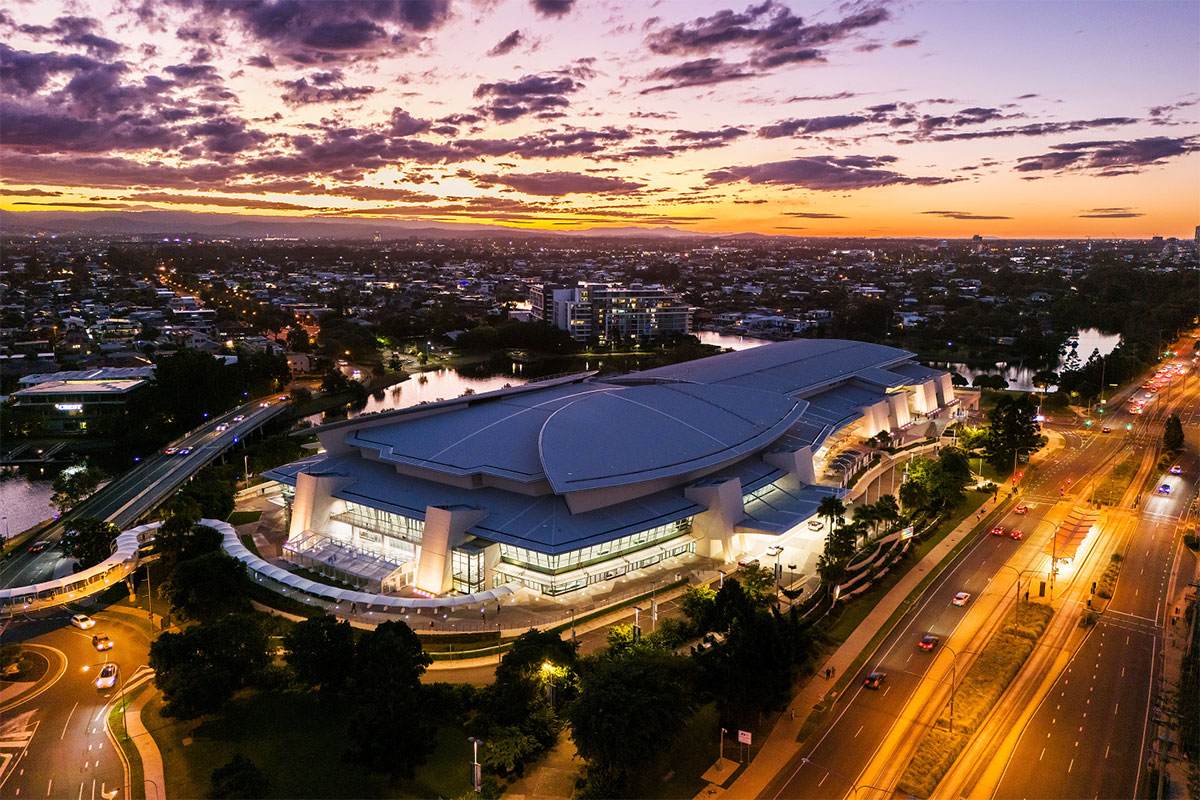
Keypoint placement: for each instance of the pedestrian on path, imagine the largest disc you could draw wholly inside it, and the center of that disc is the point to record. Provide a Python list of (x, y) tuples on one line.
[(827, 673)]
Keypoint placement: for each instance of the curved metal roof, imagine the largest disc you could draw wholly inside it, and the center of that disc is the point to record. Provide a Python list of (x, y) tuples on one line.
[(642, 433)]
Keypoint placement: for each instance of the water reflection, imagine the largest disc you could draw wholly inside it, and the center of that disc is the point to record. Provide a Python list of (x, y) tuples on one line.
[(1079, 350), (23, 502)]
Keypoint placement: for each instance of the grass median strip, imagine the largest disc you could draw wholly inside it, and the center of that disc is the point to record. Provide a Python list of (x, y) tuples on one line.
[(1115, 484), (1108, 581), (977, 694)]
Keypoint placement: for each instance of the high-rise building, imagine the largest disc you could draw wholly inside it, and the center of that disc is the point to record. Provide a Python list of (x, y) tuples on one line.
[(608, 312)]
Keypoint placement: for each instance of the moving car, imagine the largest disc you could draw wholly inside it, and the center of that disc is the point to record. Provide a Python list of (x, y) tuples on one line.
[(170, 451), (961, 598), (185, 451), (239, 418), (38, 547), (1176, 470), (1106, 429), (998, 531), (223, 426), (928, 642), (873, 680), (1021, 509), (1164, 489), (101, 641), (814, 525), (1016, 534), (82, 621), (107, 677), (263, 404)]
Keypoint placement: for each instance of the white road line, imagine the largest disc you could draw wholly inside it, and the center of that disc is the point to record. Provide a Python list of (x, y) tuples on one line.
[(1042, 755), (68, 722), (860, 730), (1070, 766)]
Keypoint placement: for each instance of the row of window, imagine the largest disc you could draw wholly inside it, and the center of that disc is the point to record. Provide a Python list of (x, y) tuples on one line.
[(550, 586), (409, 529), (574, 559)]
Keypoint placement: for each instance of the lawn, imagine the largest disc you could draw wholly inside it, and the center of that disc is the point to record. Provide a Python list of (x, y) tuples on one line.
[(298, 743), (243, 517)]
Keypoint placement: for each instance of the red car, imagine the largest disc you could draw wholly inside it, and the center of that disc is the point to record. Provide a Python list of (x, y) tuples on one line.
[(1016, 534), (928, 642), (1021, 509), (997, 531)]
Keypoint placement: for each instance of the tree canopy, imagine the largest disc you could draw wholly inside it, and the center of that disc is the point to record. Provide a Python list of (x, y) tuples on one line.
[(200, 668), (1012, 429), (89, 540)]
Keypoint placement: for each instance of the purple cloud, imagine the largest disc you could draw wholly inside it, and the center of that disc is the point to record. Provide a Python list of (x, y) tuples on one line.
[(823, 173), (701, 72), (553, 8), (532, 94), (507, 44), (1108, 158), (560, 183), (791, 127), (964, 215), (322, 89)]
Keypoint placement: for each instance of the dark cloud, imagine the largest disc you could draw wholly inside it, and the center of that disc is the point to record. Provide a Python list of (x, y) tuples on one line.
[(1161, 112), (1108, 158), (22, 72), (553, 8), (507, 44), (701, 72), (553, 184), (906, 42), (234, 202), (965, 215), (192, 73), (324, 88), (73, 31), (791, 127), (29, 193), (532, 94), (809, 97), (771, 33), (33, 130), (262, 62), (725, 134), (226, 135), (1112, 214), (1037, 129), (823, 173), (812, 215), (404, 124), (71, 204)]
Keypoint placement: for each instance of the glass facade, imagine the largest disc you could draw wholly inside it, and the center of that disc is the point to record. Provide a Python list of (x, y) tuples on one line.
[(394, 536), (468, 565), (585, 556), (598, 573)]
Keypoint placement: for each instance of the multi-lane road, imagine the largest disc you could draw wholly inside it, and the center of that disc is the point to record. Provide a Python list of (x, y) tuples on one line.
[(124, 500), (866, 724), (56, 743)]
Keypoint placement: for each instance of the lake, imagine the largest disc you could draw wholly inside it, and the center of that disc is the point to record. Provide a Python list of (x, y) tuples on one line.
[(24, 502), (1020, 377)]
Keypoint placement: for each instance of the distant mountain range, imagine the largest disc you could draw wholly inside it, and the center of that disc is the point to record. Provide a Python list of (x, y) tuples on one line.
[(188, 223)]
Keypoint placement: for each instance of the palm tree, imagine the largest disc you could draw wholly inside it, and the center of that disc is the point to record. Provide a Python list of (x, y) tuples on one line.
[(831, 509), (888, 509), (869, 516)]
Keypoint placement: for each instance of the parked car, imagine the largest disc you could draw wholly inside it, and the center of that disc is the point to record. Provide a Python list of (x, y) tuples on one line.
[(82, 621), (101, 641), (107, 677), (961, 598), (928, 642), (815, 525), (873, 680)]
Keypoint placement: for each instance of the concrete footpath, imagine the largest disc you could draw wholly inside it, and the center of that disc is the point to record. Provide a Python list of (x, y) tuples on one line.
[(780, 744)]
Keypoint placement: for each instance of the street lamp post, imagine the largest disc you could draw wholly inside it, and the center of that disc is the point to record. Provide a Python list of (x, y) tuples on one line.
[(954, 677), (476, 777), (721, 747)]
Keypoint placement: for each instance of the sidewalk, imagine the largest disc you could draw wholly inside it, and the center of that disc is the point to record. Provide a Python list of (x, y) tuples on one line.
[(780, 744), (147, 748)]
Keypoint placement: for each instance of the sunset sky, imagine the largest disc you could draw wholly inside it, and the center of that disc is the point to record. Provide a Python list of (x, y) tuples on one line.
[(1005, 119)]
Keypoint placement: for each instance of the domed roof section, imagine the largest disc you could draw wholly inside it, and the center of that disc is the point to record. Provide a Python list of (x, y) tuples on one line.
[(642, 433)]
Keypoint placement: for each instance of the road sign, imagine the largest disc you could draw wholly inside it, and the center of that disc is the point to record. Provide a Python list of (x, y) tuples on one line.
[(744, 737)]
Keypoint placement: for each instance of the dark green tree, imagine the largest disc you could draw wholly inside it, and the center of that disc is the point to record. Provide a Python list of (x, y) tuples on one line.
[(239, 779), (1011, 430), (207, 587), (629, 710), (392, 729), (1173, 435), (89, 540), (200, 668), (320, 651), (74, 484)]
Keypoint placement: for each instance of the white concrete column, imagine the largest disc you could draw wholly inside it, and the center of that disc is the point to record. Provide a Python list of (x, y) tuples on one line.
[(945, 389), (445, 528), (715, 527), (797, 462), (314, 502), (898, 416)]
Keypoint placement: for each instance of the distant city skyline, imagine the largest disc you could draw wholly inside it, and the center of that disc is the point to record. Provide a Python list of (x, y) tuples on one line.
[(1049, 119)]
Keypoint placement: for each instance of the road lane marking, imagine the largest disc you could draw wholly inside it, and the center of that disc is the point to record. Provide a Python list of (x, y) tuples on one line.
[(1070, 766), (860, 730), (49, 786), (1106, 750), (823, 777), (1115, 707), (1043, 754), (68, 722)]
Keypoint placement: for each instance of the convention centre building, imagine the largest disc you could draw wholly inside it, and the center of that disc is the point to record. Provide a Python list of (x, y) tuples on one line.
[(567, 483)]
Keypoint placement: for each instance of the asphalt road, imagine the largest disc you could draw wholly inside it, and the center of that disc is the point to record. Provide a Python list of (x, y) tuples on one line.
[(832, 764), (1089, 735), (63, 750), (124, 500)]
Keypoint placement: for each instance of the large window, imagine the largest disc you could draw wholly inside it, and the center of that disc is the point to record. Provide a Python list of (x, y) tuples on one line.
[(408, 529), (579, 578), (468, 566), (574, 559)]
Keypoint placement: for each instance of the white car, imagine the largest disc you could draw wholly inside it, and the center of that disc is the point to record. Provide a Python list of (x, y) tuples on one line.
[(107, 677), (961, 598), (239, 418), (82, 621), (222, 427), (814, 525)]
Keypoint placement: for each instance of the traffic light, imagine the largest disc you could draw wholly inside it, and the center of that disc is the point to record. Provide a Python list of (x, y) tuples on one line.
[(1088, 423), (1020, 474), (1128, 426)]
